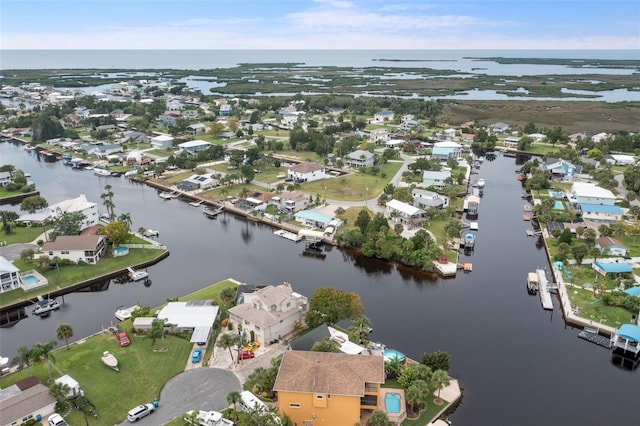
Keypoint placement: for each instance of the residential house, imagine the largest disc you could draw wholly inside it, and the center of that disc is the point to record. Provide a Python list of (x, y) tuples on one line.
[(334, 388), (599, 137), (5, 178), (313, 219), (79, 204), (360, 158), (620, 159), (307, 172), (9, 276), (449, 134), (26, 401), (600, 212), (195, 182), (589, 193), (270, 313), (379, 136), (615, 268), (77, 248), (225, 110), (407, 125), (445, 150), (383, 117), (499, 128), (403, 212), (166, 121), (175, 105), (436, 179), (196, 129), (511, 141), (105, 150), (427, 199), (561, 169), (611, 246), (193, 147), (292, 201), (162, 142), (537, 137), (197, 316)]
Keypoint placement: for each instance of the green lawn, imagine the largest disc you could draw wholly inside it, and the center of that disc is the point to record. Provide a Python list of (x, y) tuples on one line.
[(142, 373), (73, 274), (427, 415), (21, 235), (593, 309), (354, 186)]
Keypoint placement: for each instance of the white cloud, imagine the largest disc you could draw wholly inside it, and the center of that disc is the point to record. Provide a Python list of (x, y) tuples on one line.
[(335, 3)]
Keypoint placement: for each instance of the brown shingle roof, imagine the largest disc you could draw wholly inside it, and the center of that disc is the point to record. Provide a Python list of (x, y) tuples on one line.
[(26, 402), (73, 242), (608, 242), (306, 167), (330, 373)]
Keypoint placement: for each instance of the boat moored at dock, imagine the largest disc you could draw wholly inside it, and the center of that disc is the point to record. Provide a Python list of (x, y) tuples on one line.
[(137, 275), (123, 314), (532, 283), (45, 306)]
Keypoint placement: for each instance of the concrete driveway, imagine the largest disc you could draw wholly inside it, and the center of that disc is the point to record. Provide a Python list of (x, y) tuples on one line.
[(203, 389)]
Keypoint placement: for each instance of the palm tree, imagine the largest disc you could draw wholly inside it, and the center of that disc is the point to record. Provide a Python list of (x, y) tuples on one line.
[(126, 218), (233, 398), (361, 327), (64, 332), (244, 192), (227, 341), (25, 358), (439, 379), (413, 397), (43, 351), (192, 417), (59, 391), (107, 201), (378, 418), (227, 295), (589, 235), (156, 331)]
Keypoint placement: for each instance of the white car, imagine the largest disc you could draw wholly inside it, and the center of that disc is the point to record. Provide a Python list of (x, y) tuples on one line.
[(57, 420), (139, 412)]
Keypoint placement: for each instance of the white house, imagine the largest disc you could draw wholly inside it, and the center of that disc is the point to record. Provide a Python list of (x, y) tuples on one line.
[(428, 199), (511, 141), (611, 246), (403, 212), (383, 116), (79, 204), (9, 276), (270, 313), (620, 159), (77, 248), (499, 128), (193, 147), (537, 137), (291, 201), (360, 158), (307, 172), (437, 179), (599, 137), (589, 193), (379, 136), (195, 315), (196, 129), (5, 178)]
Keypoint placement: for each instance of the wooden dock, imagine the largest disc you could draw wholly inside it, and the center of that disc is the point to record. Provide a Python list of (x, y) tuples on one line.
[(543, 290), (591, 335)]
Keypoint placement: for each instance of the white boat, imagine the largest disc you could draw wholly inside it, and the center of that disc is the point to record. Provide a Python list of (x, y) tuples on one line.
[(137, 275), (123, 314), (151, 233), (481, 183), (210, 212), (101, 172), (169, 195), (208, 418), (45, 306), (110, 360), (130, 173)]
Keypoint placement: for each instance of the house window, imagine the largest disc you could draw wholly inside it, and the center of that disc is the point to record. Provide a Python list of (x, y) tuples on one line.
[(294, 405), (320, 397), (288, 304), (50, 253), (246, 322), (64, 252), (257, 328)]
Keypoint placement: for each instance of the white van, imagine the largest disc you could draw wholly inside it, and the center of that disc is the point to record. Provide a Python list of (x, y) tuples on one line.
[(139, 412), (249, 401)]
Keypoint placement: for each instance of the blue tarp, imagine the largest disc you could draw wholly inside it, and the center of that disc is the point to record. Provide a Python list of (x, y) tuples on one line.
[(633, 291), (629, 331), (614, 267)]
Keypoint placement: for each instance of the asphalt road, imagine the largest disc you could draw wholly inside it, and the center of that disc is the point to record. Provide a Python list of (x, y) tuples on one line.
[(203, 389)]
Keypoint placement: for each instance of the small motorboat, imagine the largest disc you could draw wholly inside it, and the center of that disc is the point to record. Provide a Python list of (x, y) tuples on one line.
[(110, 360), (101, 172), (45, 306), (137, 275)]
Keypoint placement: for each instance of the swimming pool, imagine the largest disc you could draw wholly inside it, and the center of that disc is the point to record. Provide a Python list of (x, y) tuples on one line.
[(30, 280), (558, 205), (392, 402), (120, 251), (556, 194), (390, 354)]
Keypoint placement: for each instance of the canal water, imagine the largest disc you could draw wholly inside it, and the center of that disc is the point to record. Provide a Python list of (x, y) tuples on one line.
[(518, 364)]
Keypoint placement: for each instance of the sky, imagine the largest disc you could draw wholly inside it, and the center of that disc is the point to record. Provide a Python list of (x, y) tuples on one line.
[(320, 24)]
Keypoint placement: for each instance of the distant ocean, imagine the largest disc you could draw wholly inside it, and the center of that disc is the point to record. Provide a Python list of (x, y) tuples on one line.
[(208, 59)]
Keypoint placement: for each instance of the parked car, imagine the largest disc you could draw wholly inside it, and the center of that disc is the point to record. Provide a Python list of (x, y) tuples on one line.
[(246, 355), (252, 346), (57, 420), (196, 356), (140, 411), (123, 339)]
